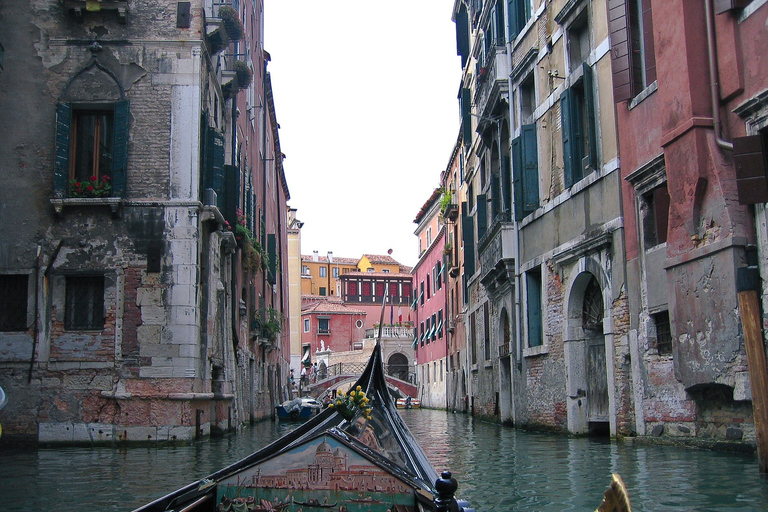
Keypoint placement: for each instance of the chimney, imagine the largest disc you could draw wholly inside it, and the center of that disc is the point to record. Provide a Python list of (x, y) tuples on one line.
[(330, 256), (314, 256)]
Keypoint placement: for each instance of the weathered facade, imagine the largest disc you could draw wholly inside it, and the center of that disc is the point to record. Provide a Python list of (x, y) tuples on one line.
[(136, 298), (689, 84), (542, 228)]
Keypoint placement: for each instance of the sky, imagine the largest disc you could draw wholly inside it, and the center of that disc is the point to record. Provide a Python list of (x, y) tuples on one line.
[(366, 98)]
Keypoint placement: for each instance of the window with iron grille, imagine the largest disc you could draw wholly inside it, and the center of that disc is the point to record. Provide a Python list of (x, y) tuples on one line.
[(663, 333), (84, 303), (13, 302)]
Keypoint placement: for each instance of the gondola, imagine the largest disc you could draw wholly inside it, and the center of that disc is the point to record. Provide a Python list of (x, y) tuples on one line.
[(334, 456)]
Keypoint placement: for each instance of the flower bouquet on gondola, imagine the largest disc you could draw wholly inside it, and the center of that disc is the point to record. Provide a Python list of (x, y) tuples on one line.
[(349, 404)]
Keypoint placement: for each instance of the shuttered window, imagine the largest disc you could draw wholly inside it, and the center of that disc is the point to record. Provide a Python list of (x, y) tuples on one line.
[(577, 112), (91, 149), (482, 215), (468, 234), (272, 255), (525, 171), (518, 13), (466, 116), (633, 60), (462, 34), (533, 307)]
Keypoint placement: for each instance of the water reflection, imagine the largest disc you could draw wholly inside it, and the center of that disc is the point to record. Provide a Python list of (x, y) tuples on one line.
[(498, 469), (501, 469)]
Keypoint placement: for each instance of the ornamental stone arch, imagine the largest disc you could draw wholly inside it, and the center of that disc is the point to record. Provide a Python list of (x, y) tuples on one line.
[(588, 347)]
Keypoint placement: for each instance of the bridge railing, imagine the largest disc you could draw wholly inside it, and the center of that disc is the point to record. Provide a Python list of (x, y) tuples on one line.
[(338, 369)]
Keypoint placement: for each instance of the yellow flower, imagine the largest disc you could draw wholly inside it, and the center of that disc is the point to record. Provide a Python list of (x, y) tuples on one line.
[(330, 405), (352, 394), (359, 388)]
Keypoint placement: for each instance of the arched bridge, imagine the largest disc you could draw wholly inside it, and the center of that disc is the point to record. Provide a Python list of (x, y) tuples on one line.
[(339, 374)]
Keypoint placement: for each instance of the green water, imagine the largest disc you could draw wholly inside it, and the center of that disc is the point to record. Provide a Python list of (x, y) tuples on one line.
[(498, 469)]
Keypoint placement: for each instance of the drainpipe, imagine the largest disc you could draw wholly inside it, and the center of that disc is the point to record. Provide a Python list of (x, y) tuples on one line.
[(713, 77)]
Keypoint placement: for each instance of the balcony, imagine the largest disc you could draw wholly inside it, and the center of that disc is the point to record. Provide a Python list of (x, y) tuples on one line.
[(390, 332), (492, 81), (496, 251)]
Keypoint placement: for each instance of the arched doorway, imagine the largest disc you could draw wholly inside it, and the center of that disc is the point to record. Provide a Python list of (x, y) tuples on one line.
[(397, 366), (597, 377)]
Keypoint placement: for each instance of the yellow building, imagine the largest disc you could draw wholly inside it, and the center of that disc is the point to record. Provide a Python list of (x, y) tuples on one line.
[(319, 274)]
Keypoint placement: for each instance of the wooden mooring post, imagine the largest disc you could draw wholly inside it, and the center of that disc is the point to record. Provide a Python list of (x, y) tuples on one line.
[(747, 285)]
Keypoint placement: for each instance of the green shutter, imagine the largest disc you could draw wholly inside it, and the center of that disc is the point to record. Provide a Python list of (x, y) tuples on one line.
[(533, 305), (61, 157), (120, 149), (495, 195), (216, 162), (466, 115), (512, 21), (468, 235), (462, 35), (229, 201), (589, 108), (272, 254), (482, 215), (517, 177), (566, 98), (506, 185), (530, 169), (500, 39)]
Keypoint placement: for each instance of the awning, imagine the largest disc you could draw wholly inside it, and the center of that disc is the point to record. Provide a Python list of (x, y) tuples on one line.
[(305, 355)]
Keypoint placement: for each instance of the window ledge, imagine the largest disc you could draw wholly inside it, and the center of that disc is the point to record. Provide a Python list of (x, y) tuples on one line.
[(536, 351), (114, 203), (488, 364), (643, 94)]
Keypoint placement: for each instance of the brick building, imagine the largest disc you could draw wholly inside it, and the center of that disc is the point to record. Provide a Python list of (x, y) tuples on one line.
[(142, 275)]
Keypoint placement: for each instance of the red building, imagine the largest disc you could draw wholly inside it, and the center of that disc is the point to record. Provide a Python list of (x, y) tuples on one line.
[(689, 84), (330, 325)]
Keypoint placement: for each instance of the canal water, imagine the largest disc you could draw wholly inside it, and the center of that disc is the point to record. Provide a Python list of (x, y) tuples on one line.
[(498, 469)]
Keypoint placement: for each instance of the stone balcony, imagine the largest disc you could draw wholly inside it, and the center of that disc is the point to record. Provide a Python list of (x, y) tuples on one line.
[(496, 250)]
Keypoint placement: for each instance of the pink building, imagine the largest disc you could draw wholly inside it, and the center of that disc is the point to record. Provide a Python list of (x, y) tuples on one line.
[(430, 306), (330, 325)]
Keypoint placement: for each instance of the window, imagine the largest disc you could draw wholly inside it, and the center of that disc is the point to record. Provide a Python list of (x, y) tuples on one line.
[(533, 307), (323, 272), (305, 270), (84, 303), (473, 336), (518, 13), (306, 325), (323, 325), (421, 295), (429, 288), (632, 57), (13, 302), (421, 334), (525, 171), (655, 211), (433, 332), (578, 41), (527, 99), (440, 324), (91, 149), (577, 112), (385, 271), (663, 333), (371, 269), (335, 271), (323, 291), (438, 276)]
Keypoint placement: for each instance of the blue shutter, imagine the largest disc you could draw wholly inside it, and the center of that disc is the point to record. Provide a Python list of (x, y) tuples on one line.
[(61, 157), (482, 215), (468, 235), (589, 108), (565, 117), (512, 22), (517, 177), (120, 149), (530, 169)]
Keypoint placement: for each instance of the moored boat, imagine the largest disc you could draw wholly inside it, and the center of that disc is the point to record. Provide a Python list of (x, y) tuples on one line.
[(298, 409), (408, 403)]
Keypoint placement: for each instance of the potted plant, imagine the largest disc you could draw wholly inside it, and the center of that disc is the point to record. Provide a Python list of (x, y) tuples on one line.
[(243, 74), (232, 23), (94, 187), (269, 322)]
